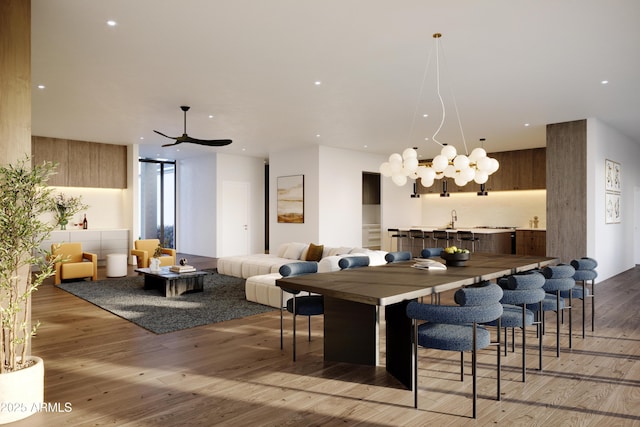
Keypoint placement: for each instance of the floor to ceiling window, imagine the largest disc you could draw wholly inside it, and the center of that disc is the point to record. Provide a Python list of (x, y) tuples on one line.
[(158, 201)]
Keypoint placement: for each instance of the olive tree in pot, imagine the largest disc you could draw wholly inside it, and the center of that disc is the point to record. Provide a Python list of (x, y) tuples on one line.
[(24, 200)]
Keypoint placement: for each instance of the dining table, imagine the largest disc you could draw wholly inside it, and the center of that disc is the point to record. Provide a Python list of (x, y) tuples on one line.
[(354, 298)]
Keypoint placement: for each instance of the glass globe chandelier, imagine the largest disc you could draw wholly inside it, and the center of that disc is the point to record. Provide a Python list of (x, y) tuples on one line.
[(462, 168)]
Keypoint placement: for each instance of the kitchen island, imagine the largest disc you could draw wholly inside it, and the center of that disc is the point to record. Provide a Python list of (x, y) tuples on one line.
[(496, 240)]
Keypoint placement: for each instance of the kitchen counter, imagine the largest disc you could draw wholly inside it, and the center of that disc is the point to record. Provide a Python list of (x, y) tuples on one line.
[(481, 230)]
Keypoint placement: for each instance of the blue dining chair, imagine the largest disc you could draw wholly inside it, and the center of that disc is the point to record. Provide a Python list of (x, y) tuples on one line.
[(392, 257), (558, 278), (518, 291), (585, 274), (305, 305), (457, 328), (355, 261)]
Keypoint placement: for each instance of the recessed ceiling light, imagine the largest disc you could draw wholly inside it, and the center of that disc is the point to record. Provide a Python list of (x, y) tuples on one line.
[(526, 125), (244, 149), (317, 135), (604, 82), (425, 115), (366, 146), (211, 116), (142, 137), (318, 83), (41, 86), (112, 23), (426, 139)]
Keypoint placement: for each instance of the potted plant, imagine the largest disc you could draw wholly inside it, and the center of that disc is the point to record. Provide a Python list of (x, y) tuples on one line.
[(154, 262), (66, 207), (24, 201)]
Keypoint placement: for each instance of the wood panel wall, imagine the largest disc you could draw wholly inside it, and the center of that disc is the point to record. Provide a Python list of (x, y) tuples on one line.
[(15, 80), (567, 190)]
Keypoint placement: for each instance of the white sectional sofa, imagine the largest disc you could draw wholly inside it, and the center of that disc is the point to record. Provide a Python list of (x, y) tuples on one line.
[(261, 270)]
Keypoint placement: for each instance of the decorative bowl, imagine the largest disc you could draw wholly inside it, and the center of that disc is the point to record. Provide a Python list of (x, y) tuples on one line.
[(455, 260)]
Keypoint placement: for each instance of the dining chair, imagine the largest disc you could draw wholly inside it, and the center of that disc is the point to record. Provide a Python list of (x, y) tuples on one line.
[(585, 273), (519, 290), (355, 261), (392, 257), (457, 328), (558, 278), (305, 305)]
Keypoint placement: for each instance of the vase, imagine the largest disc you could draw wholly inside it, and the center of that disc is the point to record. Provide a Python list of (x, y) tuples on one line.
[(22, 392), (154, 264), (63, 224)]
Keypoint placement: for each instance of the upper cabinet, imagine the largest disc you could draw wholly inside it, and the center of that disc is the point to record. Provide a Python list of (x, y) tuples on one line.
[(82, 163), (370, 188), (519, 170)]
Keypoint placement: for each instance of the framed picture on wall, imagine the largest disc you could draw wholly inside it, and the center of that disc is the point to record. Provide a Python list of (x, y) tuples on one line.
[(291, 199), (613, 176), (613, 212)]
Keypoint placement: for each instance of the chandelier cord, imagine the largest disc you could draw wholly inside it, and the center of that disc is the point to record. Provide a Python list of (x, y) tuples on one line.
[(444, 113)]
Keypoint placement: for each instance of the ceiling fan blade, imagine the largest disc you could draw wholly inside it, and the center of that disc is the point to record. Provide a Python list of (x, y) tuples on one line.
[(166, 136), (209, 142), (169, 145)]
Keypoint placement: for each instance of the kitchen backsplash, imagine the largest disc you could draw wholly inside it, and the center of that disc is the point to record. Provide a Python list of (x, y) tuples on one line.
[(499, 208)]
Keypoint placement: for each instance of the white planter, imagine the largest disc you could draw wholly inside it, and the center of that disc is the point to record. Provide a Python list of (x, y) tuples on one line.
[(154, 264), (22, 392)]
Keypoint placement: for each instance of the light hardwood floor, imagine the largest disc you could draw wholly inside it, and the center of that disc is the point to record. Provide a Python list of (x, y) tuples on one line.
[(112, 372)]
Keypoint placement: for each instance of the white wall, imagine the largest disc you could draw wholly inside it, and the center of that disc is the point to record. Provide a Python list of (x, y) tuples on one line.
[(612, 245), (333, 196), (199, 191), (499, 208), (106, 206)]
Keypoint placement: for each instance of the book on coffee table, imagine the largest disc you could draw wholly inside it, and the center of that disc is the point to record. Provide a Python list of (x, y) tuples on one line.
[(182, 268)]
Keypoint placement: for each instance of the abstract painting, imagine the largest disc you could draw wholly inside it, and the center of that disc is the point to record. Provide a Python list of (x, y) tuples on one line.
[(291, 199)]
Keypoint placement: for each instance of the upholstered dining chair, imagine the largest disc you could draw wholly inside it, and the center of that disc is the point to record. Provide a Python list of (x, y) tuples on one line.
[(585, 272), (304, 305), (144, 250), (518, 290), (355, 261), (72, 263), (558, 278), (392, 257), (431, 252), (457, 328)]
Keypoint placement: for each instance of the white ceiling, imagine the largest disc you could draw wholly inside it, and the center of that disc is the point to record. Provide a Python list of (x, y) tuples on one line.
[(253, 65)]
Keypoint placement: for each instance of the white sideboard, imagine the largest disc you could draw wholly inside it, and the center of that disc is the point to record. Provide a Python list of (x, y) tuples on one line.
[(100, 242)]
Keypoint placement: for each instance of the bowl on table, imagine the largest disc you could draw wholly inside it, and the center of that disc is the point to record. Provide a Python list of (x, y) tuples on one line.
[(457, 259)]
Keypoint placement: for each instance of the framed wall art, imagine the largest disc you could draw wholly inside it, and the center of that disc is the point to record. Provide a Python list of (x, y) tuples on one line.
[(291, 199), (613, 176), (613, 212)]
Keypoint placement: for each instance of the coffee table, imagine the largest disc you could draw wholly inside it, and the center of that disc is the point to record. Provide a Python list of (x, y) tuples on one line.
[(173, 284)]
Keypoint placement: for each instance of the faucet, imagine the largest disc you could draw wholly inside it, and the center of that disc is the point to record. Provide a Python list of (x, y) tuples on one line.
[(454, 218)]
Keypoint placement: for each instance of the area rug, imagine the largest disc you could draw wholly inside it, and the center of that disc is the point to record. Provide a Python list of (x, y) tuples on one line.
[(223, 298)]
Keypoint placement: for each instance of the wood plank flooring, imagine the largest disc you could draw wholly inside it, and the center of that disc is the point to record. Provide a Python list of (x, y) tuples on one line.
[(112, 372)]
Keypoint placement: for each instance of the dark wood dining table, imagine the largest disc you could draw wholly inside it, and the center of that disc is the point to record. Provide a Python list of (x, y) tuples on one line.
[(353, 299)]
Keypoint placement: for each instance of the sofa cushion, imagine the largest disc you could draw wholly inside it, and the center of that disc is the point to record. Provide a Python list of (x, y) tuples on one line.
[(294, 250), (314, 253)]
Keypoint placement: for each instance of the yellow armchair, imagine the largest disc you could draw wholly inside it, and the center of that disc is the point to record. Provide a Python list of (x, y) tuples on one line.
[(144, 250), (72, 263)]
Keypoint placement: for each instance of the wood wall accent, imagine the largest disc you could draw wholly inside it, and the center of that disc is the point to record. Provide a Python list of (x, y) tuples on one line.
[(83, 163), (567, 190), (15, 83)]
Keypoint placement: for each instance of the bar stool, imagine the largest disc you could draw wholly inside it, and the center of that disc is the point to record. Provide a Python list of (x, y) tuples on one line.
[(467, 236), (416, 235), (441, 238), (585, 272), (399, 235)]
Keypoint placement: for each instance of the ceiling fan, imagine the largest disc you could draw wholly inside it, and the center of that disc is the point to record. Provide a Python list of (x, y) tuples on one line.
[(187, 138)]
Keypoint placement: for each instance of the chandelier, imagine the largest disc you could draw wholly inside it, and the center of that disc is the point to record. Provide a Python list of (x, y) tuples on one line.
[(462, 168)]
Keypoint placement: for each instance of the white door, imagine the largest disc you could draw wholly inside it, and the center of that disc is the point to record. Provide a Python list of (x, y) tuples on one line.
[(235, 218)]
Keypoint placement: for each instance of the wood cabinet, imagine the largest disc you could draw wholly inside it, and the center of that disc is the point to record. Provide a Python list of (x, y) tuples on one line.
[(99, 242), (82, 163), (370, 188), (495, 243), (519, 170), (531, 242)]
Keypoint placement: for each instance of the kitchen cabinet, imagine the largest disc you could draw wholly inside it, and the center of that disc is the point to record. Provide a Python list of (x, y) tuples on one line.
[(82, 163), (99, 242), (519, 170), (371, 236), (531, 242)]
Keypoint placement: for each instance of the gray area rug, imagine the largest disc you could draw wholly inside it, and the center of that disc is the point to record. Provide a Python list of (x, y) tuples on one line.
[(223, 298)]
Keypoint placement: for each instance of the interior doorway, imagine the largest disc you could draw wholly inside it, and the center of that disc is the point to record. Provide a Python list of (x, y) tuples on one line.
[(158, 201)]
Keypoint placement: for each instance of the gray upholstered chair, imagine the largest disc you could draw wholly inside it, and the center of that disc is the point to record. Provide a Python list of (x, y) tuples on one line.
[(355, 261), (585, 273), (518, 291), (391, 257), (306, 305), (455, 328), (431, 252), (558, 278)]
